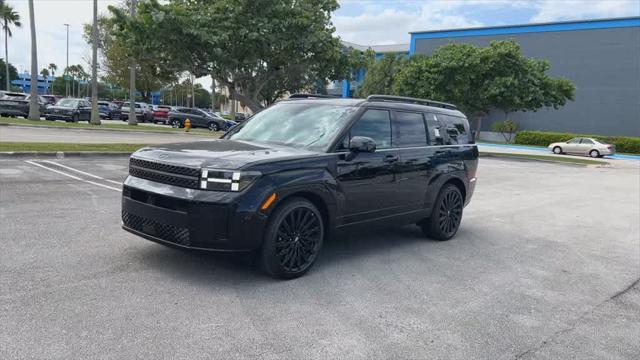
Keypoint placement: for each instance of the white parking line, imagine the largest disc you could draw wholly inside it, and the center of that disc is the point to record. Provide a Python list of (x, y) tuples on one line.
[(82, 172), (72, 176)]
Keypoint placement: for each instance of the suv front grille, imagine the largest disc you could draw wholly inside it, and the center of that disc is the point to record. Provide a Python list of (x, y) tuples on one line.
[(170, 233), (164, 173)]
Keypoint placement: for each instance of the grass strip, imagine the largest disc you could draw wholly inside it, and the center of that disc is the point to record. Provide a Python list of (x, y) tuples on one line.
[(561, 159), (83, 125), (52, 147)]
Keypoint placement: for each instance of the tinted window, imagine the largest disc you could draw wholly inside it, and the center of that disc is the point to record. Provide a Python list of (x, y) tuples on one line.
[(435, 129), (408, 129), (587, 141), (574, 141), (376, 125), (455, 131)]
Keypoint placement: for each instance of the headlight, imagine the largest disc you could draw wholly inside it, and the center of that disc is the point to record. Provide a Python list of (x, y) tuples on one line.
[(227, 180)]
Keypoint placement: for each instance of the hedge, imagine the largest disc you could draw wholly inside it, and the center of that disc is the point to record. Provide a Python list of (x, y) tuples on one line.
[(624, 144)]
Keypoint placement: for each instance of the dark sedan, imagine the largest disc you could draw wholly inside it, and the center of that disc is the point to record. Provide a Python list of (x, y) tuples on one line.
[(70, 110)]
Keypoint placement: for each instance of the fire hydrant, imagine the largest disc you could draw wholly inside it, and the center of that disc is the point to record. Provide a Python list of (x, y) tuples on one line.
[(187, 125)]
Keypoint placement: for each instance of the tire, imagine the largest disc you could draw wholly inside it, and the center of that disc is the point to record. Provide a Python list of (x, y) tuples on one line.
[(446, 215), (176, 124), (557, 150), (213, 126), (75, 118), (594, 153), (292, 240)]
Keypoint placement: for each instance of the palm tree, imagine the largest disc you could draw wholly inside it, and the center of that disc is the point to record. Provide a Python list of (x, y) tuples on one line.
[(9, 18), (95, 117), (34, 106), (52, 68), (45, 74)]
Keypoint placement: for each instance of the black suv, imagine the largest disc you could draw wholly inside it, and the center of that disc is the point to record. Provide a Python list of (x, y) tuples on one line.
[(285, 179)]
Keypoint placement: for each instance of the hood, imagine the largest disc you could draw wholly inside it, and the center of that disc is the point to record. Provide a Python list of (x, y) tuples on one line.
[(58, 107), (221, 154)]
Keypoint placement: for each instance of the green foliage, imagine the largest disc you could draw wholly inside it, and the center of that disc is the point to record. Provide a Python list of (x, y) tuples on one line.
[(507, 128), (13, 74), (624, 144), (9, 17), (257, 48), (381, 75), (480, 79)]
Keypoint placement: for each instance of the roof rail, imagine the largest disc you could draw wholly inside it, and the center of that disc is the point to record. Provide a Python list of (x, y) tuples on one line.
[(410, 100), (312, 96)]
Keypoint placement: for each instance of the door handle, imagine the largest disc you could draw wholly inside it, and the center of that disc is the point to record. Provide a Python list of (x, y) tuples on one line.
[(391, 158)]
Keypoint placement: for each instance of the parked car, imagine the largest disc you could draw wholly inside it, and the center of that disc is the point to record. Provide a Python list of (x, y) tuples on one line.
[(229, 123), (108, 110), (240, 117), (282, 182), (197, 117), (143, 112), (51, 99), (161, 114), (70, 110), (17, 104), (583, 146)]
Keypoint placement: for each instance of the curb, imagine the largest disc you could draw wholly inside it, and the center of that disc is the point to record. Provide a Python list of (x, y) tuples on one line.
[(102, 129), (60, 154), (515, 157)]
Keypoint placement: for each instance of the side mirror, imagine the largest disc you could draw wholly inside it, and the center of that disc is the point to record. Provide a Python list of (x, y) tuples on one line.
[(362, 144)]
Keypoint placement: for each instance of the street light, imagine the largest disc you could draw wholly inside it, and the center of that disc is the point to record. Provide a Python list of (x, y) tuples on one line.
[(65, 69)]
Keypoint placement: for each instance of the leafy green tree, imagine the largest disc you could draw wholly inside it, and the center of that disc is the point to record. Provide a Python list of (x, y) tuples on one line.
[(12, 71), (9, 18), (482, 79), (507, 128), (381, 75), (258, 49)]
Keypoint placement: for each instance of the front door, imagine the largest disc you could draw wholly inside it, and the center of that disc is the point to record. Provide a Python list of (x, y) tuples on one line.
[(368, 180)]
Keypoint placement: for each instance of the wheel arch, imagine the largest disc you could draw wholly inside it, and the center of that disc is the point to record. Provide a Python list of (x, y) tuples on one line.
[(457, 183)]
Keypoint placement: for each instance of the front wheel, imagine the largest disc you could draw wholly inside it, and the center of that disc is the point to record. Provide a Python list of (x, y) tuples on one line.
[(293, 239), (446, 214), (213, 127), (175, 123)]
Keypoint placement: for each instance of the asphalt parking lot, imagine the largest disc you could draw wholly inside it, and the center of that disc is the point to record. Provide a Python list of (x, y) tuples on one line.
[(545, 266)]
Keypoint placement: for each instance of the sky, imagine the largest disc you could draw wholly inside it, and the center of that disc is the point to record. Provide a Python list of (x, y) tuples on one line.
[(365, 22)]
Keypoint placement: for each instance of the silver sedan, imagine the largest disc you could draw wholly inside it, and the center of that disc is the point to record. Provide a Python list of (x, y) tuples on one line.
[(583, 146)]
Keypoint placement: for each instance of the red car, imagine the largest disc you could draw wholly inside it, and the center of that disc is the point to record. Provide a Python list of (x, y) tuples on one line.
[(161, 114)]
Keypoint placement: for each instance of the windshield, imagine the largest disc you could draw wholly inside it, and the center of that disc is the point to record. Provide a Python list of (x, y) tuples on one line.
[(307, 125), (67, 103)]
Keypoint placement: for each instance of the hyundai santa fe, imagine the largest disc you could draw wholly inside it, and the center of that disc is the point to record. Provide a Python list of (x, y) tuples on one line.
[(280, 183)]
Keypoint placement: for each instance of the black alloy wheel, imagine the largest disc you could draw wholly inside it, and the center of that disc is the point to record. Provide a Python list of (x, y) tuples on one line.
[(175, 123), (213, 126), (293, 239), (446, 215)]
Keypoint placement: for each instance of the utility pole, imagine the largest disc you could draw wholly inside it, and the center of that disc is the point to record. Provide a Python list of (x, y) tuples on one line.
[(95, 117), (132, 80), (67, 67)]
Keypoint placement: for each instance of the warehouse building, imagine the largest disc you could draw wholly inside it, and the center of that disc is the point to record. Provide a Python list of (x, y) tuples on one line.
[(601, 57)]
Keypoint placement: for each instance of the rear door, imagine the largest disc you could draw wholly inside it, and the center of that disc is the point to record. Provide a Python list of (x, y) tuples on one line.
[(585, 146), (367, 180)]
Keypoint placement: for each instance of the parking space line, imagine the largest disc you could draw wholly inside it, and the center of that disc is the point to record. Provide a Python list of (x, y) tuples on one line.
[(82, 172), (73, 176)]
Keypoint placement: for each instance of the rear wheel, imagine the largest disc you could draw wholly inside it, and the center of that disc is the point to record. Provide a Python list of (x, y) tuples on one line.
[(75, 118), (446, 215), (594, 153), (557, 150), (175, 123), (293, 239)]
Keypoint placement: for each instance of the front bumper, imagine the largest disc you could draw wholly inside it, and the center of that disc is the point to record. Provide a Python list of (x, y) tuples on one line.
[(58, 117), (189, 218)]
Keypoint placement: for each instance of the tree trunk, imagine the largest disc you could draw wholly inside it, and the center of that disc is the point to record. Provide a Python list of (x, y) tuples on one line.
[(251, 102), (479, 117), (34, 106), (132, 80), (95, 117), (6, 55)]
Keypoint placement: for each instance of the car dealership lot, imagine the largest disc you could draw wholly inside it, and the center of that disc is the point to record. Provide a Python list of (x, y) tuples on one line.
[(542, 267)]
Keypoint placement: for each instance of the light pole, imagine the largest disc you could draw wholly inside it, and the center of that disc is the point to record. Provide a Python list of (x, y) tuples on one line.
[(67, 67)]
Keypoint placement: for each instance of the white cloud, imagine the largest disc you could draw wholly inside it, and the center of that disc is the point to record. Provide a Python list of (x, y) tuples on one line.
[(50, 15), (555, 10)]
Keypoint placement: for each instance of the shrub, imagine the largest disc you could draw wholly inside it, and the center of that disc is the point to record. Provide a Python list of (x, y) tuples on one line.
[(624, 144), (507, 128)]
